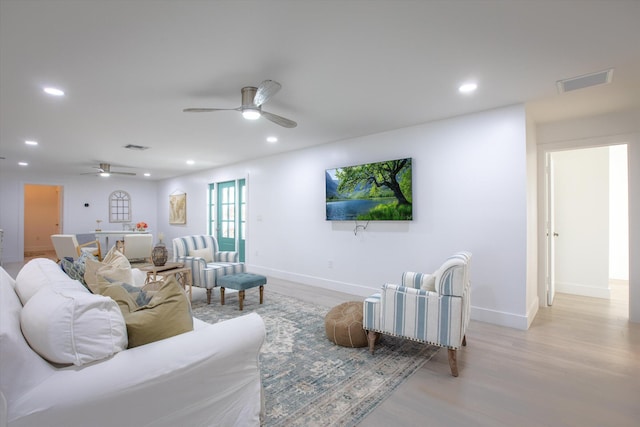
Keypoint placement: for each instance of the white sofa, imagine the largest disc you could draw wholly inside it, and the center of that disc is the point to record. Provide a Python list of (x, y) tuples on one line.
[(207, 377)]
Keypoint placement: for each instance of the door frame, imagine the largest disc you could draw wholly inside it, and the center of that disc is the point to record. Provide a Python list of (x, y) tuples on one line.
[(545, 150), (550, 233)]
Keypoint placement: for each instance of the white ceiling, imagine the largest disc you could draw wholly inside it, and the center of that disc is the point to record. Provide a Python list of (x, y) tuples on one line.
[(347, 69)]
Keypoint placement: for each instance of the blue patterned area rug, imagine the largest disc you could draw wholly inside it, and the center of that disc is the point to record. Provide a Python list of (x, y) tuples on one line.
[(307, 379)]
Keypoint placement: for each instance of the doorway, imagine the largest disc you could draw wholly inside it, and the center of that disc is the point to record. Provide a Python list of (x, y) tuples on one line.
[(227, 215), (587, 222), (42, 213)]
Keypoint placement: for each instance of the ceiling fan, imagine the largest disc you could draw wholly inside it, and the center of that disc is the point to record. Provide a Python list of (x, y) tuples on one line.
[(252, 100), (105, 170)]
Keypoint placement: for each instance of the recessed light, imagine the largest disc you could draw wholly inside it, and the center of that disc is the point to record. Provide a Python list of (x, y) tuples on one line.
[(468, 87), (147, 174), (190, 162), (31, 142), (53, 91), (23, 163), (272, 139)]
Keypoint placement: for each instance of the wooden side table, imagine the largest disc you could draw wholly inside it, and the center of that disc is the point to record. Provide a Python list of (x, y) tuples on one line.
[(175, 269)]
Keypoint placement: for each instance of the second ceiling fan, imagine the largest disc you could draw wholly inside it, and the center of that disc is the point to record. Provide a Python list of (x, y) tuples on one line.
[(252, 100)]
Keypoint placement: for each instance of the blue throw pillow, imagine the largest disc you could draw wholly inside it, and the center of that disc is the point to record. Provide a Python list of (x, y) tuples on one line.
[(75, 269)]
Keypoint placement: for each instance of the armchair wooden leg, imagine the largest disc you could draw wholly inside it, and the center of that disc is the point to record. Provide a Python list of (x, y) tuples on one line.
[(208, 296), (371, 339), (453, 364)]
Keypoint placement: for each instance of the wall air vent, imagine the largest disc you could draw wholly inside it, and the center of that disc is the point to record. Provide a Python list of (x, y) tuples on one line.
[(588, 80), (136, 147)]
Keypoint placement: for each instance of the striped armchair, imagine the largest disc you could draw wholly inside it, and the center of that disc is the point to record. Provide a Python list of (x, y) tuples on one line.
[(207, 263), (430, 308)]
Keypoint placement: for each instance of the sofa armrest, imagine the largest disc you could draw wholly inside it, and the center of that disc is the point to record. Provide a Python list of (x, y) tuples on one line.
[(207, 376), (226, 256), (412, 292)]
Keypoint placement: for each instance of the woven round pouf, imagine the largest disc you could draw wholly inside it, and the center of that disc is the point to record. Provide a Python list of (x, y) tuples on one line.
[(343, 325)]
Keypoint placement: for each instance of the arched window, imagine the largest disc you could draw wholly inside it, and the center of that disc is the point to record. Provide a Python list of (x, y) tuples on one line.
[(119, 206)]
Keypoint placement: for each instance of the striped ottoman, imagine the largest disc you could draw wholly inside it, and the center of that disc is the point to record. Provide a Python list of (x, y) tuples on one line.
[(343, 325), (240, 282)]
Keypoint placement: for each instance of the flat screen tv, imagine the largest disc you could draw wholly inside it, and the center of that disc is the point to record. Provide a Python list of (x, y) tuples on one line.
[(370, 192)]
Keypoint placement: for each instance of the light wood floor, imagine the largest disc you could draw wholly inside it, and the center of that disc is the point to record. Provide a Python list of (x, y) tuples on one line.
[(578, 365)]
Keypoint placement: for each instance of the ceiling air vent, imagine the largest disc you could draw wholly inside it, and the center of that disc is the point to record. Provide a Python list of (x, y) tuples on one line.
[(588, 80), (136, 147)]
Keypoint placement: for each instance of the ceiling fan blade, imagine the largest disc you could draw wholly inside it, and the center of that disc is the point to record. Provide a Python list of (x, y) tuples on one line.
[(279, 120), (266, 90), (123, 173), (207, 110)]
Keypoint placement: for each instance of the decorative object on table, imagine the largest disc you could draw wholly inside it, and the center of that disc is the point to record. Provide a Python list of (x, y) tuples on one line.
[(307, 379), (178, 208), (159, 254), (98, 221), (141, 226)]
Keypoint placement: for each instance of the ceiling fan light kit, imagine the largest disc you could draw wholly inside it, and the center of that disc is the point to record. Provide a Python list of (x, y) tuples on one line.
[(251, 107), (251, 113)]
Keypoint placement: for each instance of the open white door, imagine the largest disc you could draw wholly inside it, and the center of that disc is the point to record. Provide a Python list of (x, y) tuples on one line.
[(550, 232)]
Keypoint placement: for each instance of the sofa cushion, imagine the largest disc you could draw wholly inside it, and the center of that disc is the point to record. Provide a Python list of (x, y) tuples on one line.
[(205, 253), (71, 326), (39, 273), (114, 266), (20, 367), (168, 313)]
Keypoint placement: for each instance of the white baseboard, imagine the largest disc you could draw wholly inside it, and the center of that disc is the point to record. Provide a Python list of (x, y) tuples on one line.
[(500, 318), (347, 288), (584, 290), (509, 320)]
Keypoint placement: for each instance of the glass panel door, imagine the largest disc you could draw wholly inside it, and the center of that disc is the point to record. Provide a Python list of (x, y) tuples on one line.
[(227, 216), (242, 204)]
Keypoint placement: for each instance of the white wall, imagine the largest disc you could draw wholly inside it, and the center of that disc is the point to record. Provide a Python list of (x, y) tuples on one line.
[(609, 129), (581, 193), (532, 299), (469, 193), (619, 216), (76, 219)]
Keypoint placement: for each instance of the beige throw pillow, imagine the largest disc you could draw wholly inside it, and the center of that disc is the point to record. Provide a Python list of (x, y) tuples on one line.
[(115, 267), (167, 313), (202, 253)]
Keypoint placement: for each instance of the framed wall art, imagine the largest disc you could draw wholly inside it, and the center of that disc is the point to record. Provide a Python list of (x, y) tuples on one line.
[(178, 208)]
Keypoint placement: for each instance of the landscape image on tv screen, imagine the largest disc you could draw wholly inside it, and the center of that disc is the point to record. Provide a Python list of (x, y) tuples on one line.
[(370, 192)]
